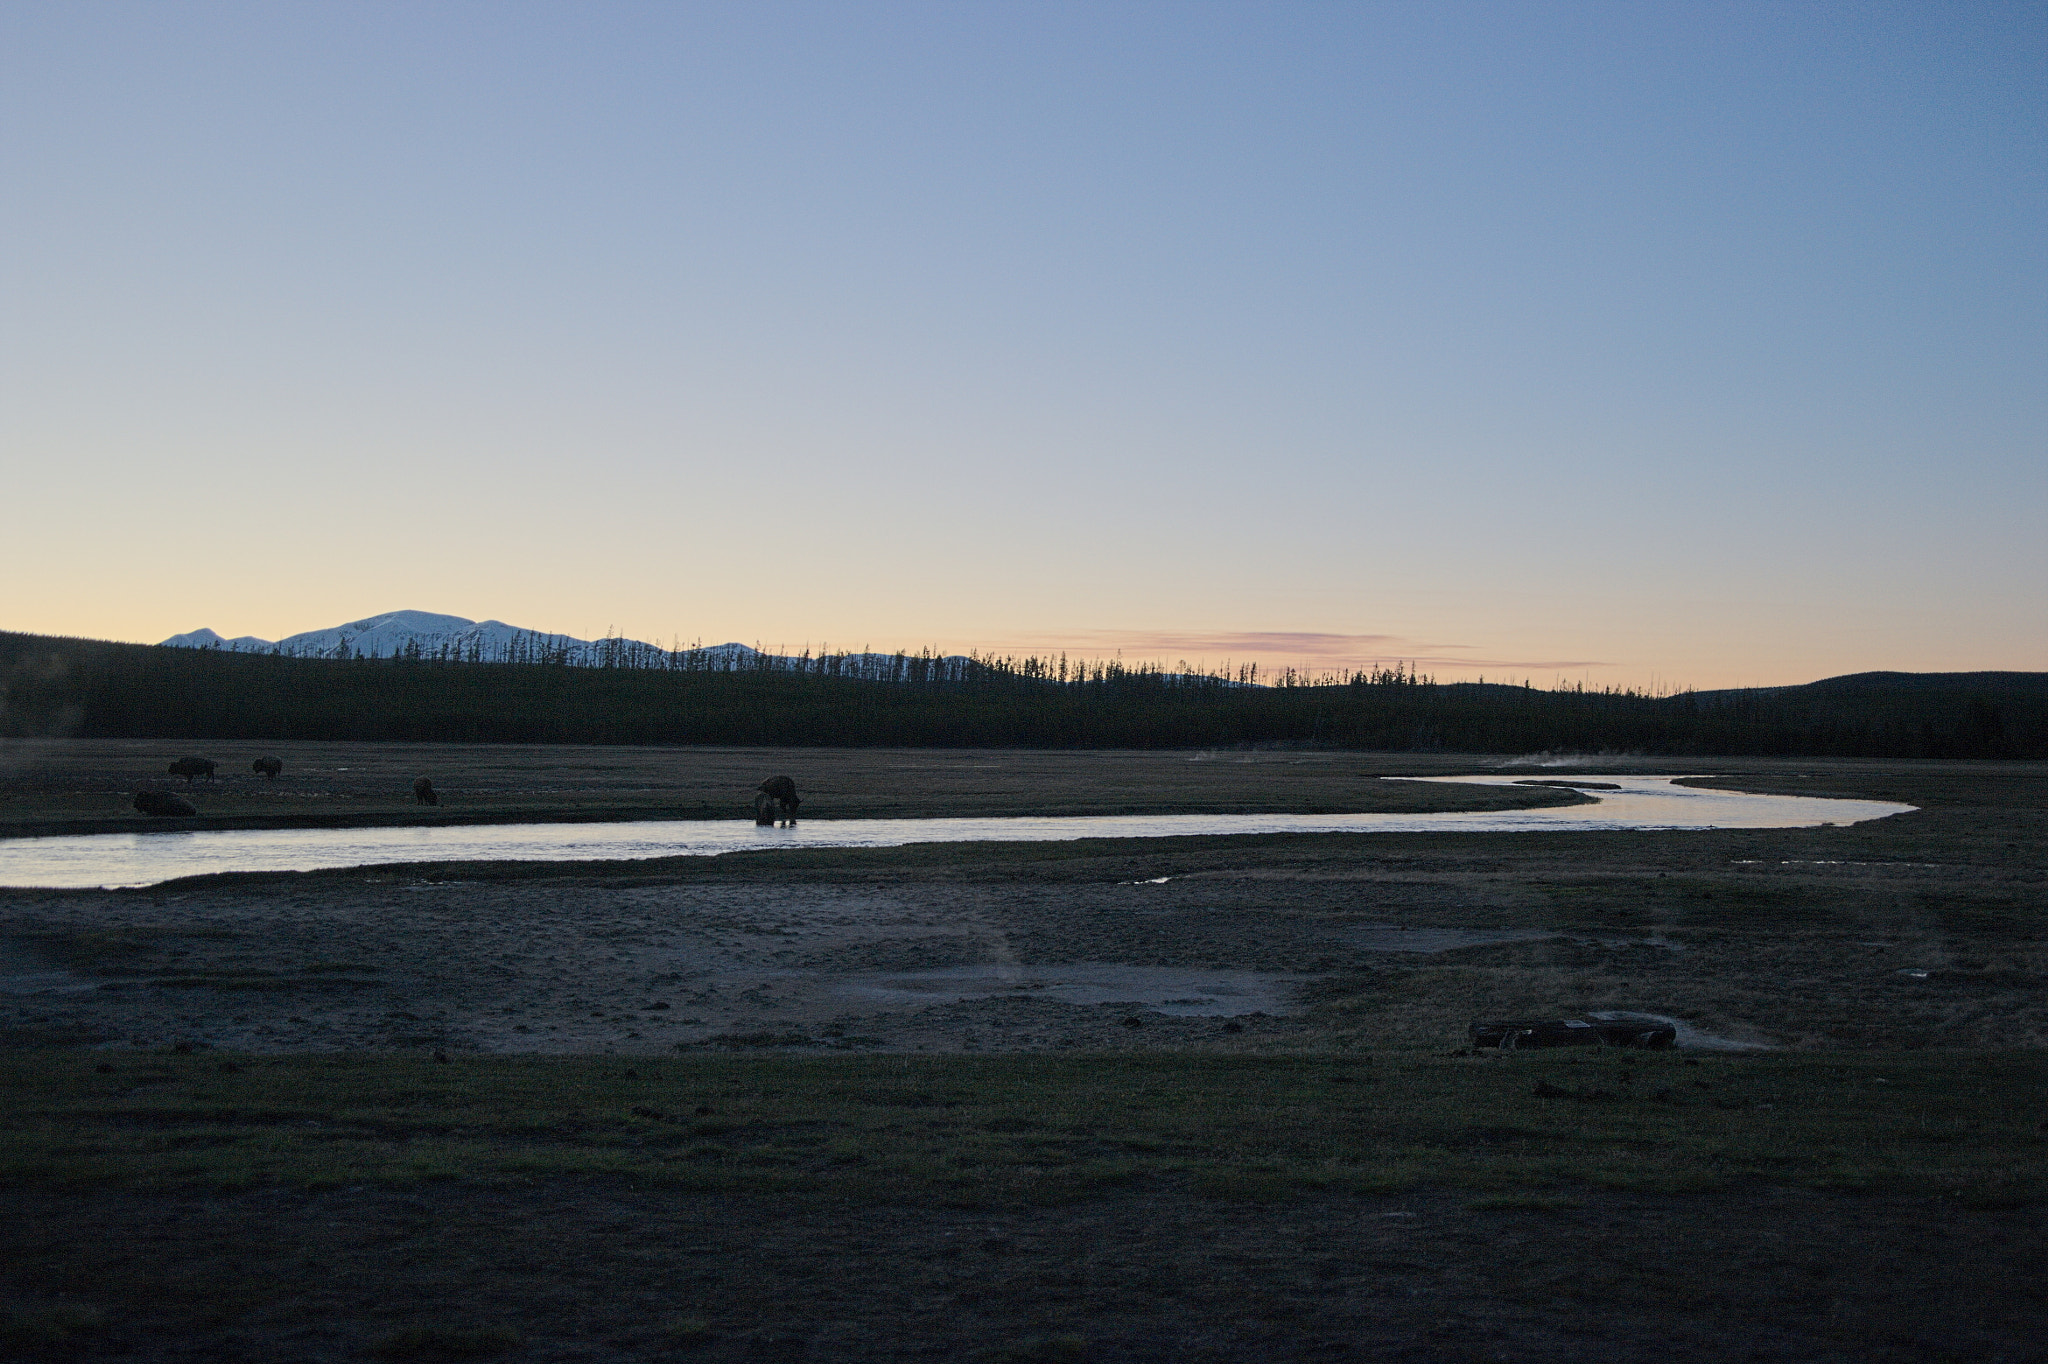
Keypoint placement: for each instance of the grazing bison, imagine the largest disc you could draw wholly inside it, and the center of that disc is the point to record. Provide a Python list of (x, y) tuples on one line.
[(269, 767), (188, 768), (782, 791), (163, 803), (423, 792)]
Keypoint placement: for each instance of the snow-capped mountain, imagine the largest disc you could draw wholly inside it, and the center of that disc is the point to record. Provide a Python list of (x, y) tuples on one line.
[(207, 639), (432, 635), (426, 634), (382, 636)]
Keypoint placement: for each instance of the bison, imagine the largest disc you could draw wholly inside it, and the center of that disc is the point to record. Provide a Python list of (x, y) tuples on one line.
[(188, 768), (423, 792), (781, 791), (163, 803), (269, 767)]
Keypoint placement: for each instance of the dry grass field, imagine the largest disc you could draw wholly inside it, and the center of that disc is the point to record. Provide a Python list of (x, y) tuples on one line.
[(1012, 1102)]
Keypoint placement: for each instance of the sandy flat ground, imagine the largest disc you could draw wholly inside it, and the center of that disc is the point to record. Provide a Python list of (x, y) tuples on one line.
[(589, 966)]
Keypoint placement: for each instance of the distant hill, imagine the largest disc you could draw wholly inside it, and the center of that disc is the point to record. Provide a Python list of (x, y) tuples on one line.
[(1867, 684), (1939, 714)]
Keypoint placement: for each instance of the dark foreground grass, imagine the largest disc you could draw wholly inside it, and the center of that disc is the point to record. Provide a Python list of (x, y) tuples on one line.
[(993, 1131)]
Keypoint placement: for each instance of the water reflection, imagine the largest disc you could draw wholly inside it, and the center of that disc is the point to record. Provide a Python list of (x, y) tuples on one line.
[(142, 859)]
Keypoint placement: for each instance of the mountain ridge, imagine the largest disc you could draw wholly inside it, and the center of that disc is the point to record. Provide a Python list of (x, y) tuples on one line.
[(435, 635)]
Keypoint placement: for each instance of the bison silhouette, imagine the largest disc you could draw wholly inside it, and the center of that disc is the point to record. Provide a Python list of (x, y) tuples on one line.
[(163, 803), (781, 791), (269, 767), (188, 768), (423, 792)]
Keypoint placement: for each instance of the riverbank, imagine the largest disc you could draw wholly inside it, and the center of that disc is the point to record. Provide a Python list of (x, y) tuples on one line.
[(1638, 803), (1923, 929), (70, 787), (1317, 1177)]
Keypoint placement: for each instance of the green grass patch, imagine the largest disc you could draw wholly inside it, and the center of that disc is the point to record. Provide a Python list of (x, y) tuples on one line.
[(686, 1333), (1986, 916), (443, 1342), (1035, 1350), (111, 952), (1523, 1202), (976, 1131), (29, 1329)]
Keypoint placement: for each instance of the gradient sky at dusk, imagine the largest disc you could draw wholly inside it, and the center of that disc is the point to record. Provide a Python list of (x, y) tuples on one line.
[(1688, 344)]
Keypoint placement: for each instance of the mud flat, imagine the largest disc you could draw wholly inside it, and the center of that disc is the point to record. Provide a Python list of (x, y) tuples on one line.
[(1917, 930), (1891, 976)]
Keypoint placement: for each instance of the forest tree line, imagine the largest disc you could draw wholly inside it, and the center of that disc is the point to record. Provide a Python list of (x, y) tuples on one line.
[(51, 687)]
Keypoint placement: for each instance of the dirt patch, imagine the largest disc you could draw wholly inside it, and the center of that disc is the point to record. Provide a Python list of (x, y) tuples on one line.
[(597, 967)]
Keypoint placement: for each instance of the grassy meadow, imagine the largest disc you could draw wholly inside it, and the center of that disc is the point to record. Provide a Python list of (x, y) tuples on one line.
[(1006, 1130)]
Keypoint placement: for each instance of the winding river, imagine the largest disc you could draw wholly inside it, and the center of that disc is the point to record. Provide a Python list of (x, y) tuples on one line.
[(144, 859)]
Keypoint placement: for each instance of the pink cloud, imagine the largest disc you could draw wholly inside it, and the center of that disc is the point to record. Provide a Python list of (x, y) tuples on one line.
[(1315, 651)]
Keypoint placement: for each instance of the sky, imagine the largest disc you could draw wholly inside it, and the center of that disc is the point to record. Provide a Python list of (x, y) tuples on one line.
[(1638, 344)]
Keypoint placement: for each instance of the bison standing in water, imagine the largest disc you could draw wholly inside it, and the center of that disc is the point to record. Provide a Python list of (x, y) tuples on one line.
[(163, 803), (269, 767), (423, 792), (777, 794), (188, 768)]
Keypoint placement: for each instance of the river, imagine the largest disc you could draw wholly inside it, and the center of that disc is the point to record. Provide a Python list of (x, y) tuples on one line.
[(143, 859)]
